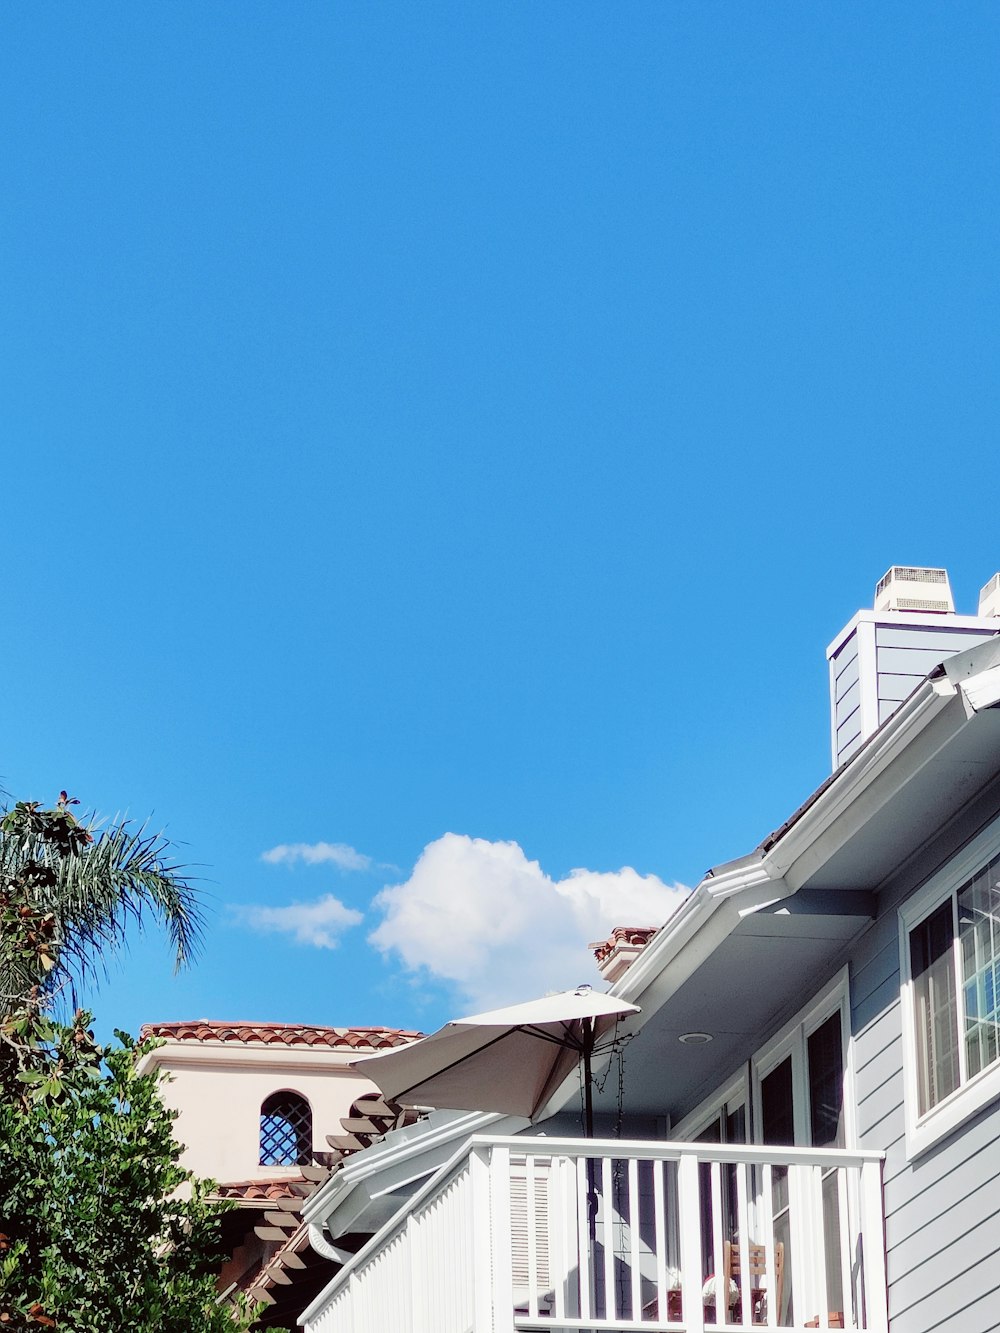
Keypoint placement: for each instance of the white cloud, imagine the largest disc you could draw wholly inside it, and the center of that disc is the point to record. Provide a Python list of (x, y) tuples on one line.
[(318, 853), (319, 923), (482, 916)]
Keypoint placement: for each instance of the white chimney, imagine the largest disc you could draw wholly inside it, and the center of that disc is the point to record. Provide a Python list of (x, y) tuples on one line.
[(989, 597), (882, 655)]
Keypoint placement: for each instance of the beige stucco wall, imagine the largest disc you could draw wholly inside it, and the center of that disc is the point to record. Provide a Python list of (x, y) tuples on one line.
[(218, 1088)]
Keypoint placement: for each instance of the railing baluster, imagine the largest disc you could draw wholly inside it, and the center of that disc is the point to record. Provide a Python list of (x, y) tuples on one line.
[(819, 1246), (690, 1230), (561, 1229), (588, 1259), (715, 1216), (634, 1222), (532, 1229), (743, 1241), (769, 1241), (844, 1226), (660, 1239), (607, 1215)]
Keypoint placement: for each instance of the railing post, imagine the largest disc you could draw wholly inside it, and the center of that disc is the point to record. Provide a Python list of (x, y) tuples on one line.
[(690, 1236), (482, 1240), (501, 1246), (416, 1268), (873, 1248)]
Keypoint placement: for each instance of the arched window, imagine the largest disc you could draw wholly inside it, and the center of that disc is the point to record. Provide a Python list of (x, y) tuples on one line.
[(285, 1130)]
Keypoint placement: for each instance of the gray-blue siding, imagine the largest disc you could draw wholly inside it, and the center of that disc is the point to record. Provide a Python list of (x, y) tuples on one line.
[(904, 654), (943, 1209), (847, 699)]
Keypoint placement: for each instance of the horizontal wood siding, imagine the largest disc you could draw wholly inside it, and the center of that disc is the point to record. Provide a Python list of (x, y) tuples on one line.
[(849, 702), (943, 1209), (849, 735), (847, 699), (915, 662), (895, 687)]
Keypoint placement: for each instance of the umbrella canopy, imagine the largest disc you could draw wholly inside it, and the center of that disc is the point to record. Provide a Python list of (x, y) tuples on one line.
[(510, 1060)]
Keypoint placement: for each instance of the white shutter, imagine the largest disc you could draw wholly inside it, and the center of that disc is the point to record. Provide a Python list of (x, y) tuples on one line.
[(526, 1231)]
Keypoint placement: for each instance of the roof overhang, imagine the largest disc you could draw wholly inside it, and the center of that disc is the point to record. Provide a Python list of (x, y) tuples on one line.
[(758, 934)]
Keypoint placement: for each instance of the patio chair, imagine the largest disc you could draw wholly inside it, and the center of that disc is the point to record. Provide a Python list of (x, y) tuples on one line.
[(757, 1255)]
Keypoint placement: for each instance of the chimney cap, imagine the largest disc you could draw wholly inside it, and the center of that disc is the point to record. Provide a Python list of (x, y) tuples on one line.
[(914, 588)]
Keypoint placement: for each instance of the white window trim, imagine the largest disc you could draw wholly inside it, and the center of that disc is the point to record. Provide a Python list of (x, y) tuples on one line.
[(792, 1039), (733, 1093), (924, 1131)]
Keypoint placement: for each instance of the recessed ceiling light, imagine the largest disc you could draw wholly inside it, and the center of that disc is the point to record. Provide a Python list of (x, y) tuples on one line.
[(695, 1038)]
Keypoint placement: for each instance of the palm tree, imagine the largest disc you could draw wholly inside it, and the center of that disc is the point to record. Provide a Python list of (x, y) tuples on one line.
[(69, 890)]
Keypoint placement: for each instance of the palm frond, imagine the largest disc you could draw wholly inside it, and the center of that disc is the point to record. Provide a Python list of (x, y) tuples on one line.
[(125, 875)]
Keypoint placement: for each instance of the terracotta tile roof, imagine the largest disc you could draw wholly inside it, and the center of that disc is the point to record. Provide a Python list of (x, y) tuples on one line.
[(636, 937), (281, 1034), (265, 1191)]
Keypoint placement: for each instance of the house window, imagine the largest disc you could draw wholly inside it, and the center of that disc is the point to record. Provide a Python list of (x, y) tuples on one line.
[(285, 1130), (954, 956), (949, 946)]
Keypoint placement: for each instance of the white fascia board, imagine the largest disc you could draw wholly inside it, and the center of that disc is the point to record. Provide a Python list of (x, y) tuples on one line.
[(184, 1054), (849, 801), (695, 931)]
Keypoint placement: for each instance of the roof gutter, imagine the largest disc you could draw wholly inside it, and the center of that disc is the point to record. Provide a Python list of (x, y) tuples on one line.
[(778, 867)]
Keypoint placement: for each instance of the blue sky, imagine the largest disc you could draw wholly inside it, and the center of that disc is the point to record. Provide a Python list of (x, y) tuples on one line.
[(453, 433)]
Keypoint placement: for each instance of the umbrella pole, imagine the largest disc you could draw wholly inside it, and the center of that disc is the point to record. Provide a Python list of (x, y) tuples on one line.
[(588, 1124), (588, 1087)]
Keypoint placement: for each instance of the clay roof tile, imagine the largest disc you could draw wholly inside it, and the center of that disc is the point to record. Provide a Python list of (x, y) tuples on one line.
[(281, 1034)]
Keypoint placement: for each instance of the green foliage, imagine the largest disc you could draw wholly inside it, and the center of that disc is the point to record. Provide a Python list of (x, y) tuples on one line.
[(82, 885), (101, 1229)]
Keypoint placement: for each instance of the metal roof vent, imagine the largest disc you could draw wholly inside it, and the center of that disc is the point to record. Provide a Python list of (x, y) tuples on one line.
[(908, 588), (989, 597)]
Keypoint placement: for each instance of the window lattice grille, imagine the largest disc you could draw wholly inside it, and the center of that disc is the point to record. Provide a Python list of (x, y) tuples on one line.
[(285, 1130)]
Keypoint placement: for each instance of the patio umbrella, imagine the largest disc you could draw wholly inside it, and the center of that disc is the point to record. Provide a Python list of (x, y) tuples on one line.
[(509, 1060)]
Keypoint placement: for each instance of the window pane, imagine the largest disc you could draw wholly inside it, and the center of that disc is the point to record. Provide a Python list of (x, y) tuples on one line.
[(736, 1125), (778, 1128), (712, 1133), (777, 1116), (932, 967), (285, 1130), (826, 1084), (978, 905)]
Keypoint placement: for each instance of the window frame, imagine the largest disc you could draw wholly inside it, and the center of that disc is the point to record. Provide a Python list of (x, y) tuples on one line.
[(925, 1130), (792, 1040), (308, 1123), (734, 1093)]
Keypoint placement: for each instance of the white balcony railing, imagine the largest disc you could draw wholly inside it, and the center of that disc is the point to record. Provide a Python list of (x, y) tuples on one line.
[(522, 1234)]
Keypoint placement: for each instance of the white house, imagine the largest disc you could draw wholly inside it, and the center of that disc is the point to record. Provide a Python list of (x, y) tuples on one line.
[(809, 1107)]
